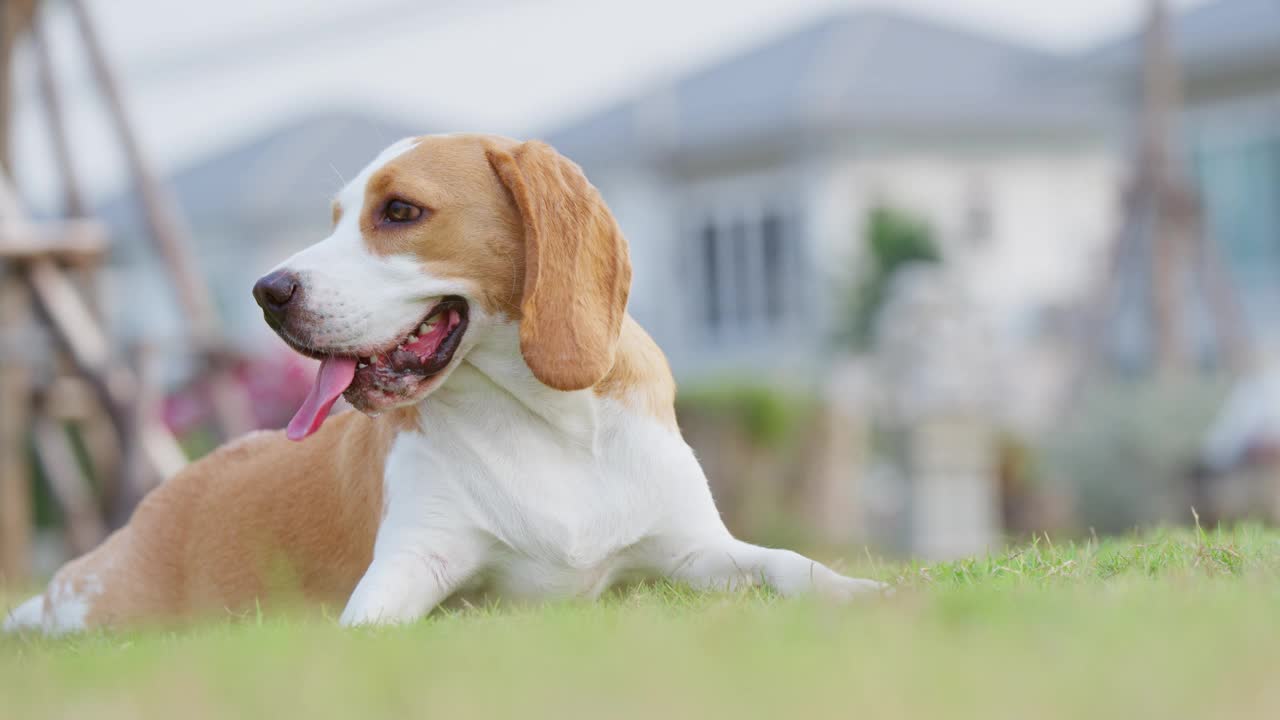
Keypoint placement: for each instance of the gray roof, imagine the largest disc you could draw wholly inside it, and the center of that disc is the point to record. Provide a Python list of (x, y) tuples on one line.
[(284, 173), (862, 69), (1220, 35)]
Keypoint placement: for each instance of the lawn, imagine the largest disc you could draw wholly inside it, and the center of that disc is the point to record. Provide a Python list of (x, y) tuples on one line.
[(1168, 624)]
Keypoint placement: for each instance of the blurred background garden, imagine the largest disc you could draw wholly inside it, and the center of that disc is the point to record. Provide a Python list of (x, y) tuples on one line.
[(930, 275)]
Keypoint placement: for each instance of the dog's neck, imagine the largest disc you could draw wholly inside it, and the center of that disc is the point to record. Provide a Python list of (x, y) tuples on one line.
[(494, 376)]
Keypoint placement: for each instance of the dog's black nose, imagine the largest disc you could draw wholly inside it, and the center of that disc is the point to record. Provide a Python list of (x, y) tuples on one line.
[(274, 292)]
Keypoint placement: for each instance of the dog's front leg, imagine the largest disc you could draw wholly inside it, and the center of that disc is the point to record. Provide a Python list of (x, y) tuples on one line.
[(413, 570), (729, 564)]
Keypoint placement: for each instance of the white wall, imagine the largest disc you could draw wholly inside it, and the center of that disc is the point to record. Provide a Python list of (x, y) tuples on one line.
[(1051, 214), (643, 210)]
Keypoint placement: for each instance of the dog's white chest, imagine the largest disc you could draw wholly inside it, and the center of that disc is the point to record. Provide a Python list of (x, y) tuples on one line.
[(557, 518), (557, 529)]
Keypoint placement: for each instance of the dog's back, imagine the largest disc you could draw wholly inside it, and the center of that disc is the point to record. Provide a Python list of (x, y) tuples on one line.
[(260, 519)]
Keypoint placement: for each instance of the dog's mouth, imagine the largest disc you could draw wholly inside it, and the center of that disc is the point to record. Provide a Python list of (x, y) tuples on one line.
[(388, 376)]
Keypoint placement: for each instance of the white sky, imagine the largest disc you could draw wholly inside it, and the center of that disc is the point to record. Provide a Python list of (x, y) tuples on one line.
[(203, 75)]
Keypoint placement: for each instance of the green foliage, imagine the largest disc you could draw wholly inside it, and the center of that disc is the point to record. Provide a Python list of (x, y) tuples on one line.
[(199, 442), (767, 415), (47, 513), (1189, 555), (894, 239), (1169, 624)]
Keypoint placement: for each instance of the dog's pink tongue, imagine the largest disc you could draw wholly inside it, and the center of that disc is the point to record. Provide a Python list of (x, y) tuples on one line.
[(332, 380)]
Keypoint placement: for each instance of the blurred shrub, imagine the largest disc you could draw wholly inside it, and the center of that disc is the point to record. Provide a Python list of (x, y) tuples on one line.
[(1127, 447), (894, 239), (748, 438), (767, 416)]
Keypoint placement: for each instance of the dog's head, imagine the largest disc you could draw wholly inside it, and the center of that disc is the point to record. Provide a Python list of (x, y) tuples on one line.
[(437, 241)]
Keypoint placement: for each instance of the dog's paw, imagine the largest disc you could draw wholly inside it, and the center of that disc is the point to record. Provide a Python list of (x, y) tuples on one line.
[(371, 615), (846, 589)]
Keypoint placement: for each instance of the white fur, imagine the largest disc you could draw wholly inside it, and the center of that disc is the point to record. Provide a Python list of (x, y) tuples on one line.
[(67, 607), (27, 616), (523, 492), (69, 604)]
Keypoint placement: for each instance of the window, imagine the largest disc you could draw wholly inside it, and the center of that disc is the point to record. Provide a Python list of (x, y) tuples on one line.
[(771, 249), (742, 275), (711, 275), (1239, 181), (747, 264)]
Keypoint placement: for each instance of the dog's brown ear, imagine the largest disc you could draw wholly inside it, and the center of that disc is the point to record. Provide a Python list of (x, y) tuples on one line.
[(577, 271)]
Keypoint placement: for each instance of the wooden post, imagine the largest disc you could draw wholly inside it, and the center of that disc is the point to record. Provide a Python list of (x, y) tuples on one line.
[(74, 326), (1160, 99), (15, 15), (73, 198), (1161, 207), (15, 398), (1168, 260), (1224, 307), (170, 234), (167, 228)]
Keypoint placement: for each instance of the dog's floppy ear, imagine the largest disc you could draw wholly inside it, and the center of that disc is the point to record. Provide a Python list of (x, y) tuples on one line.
[(577, 271)]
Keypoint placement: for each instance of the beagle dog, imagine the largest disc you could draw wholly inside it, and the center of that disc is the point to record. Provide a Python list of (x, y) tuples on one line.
[(515, 435)]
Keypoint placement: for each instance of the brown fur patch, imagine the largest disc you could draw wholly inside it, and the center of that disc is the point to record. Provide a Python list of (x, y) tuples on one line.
[(468, 229), (577, 271), (260, 520), (479, 230), (640, 377)]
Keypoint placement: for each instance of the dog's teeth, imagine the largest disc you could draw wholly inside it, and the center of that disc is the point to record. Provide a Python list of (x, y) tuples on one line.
[(411, 339), (425, 327), (362, 364)]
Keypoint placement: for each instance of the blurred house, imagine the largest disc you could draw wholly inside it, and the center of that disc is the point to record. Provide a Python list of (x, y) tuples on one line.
[(743, 187), (249, 207)]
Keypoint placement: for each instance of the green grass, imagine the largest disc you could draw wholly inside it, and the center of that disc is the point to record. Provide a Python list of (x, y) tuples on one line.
[(1170, 624)]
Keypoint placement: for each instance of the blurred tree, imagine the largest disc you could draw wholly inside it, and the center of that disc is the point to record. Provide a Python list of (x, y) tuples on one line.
[(894, 239)]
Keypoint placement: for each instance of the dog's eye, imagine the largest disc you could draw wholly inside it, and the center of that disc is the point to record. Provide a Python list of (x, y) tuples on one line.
[(399, 211)]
